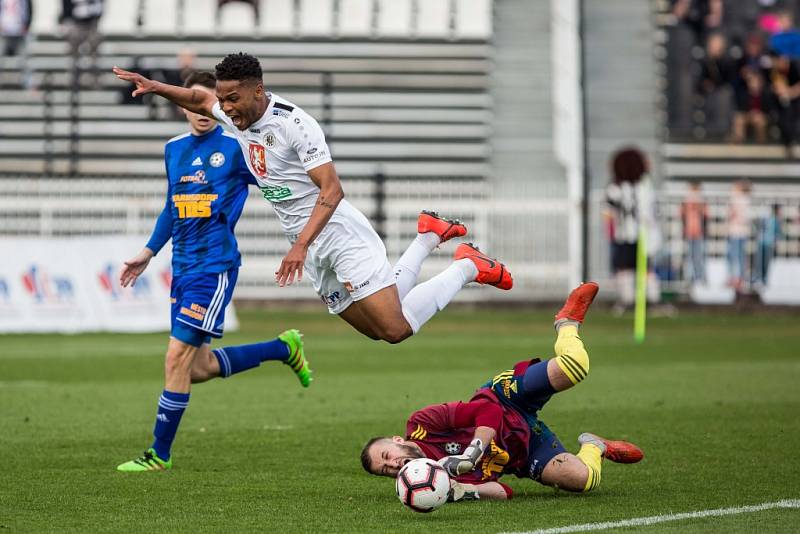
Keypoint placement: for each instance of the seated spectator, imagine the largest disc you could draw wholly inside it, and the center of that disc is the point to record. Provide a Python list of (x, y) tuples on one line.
[(750, 107), (785, 98)]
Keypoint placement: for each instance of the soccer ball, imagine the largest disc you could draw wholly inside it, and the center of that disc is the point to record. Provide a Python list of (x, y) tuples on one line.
[(422, 485)]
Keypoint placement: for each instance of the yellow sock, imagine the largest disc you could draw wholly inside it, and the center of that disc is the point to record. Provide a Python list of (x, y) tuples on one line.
[(571, 355), (592, 457)]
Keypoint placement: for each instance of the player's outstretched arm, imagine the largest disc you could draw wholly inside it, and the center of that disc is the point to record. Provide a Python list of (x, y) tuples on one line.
[(190, 99), (135, 267), (330, 194)]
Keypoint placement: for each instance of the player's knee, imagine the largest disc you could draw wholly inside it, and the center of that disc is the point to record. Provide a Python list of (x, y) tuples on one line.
[(574, 362), (395, 333), (565, 471), (179, 359)]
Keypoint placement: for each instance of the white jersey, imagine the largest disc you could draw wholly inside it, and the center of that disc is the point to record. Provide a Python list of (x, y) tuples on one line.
[(280, 148)]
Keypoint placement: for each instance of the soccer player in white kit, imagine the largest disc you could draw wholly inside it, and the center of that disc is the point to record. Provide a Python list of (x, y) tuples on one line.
[(342, 254)]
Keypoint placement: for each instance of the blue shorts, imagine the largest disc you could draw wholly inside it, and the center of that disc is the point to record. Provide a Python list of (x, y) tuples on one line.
[(544, 444), (198, 305)]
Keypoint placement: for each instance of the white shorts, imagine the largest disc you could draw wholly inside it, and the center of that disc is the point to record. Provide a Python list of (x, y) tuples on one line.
[(347, 262)]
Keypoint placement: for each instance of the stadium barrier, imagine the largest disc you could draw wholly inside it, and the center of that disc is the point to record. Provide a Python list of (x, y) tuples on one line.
[(72, 285)]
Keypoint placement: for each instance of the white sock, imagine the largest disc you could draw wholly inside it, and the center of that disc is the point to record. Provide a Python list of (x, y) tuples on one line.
[(407, 268), (432, 296)]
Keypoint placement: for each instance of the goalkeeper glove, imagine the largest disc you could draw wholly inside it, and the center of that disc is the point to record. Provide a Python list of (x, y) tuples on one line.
[(463, 463), (462, 492)]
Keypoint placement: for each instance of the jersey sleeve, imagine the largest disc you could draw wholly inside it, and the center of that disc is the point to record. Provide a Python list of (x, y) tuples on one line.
[(477, 413), (308, 140), (223, 119), (434, 419), (163, 229)]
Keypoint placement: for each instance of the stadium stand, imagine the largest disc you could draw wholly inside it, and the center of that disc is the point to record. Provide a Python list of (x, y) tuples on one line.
[(400, 110)]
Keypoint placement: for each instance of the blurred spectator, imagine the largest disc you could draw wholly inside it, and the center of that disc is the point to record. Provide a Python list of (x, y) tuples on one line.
[(769, 231), (750, 107), (630, 204), (694, 216), (692, 20), (80, 19), (738, 233), (15, 21), (185, 65), (698, 15), (716, 75), (785, 98)]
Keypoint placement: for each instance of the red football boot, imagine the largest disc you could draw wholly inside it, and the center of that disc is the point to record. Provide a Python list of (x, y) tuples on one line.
[(578, 302), (429, 221), (490, 271), (621, 452)]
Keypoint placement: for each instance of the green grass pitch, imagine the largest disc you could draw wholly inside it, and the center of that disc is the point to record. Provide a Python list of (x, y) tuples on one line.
[(713, 399)]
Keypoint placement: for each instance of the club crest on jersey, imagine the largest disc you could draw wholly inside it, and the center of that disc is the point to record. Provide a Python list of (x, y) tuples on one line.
[(258, 159), (451, 447), (269, 140), (217, 159)]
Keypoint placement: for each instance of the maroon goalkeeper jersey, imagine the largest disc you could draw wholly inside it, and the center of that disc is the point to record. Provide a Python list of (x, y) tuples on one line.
[(447, 429)]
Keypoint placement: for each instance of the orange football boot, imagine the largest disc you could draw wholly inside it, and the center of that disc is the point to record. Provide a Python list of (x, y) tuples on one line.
[(490, 271), (430, 221), (578, 302), (621, 452)]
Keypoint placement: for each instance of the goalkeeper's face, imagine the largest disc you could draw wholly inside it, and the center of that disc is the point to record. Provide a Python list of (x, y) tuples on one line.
[(389, 455), (243, 101)]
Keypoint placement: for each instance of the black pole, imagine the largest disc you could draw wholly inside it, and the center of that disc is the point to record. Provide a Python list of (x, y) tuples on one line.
[(585, 120), (47, 100), (380, 203)]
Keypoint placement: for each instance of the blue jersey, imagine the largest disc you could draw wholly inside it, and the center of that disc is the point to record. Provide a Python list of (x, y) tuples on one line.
[(207, 188)]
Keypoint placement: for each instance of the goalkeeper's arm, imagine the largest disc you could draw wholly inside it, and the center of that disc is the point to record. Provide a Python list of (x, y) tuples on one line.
[(486, 417), (460, 491)]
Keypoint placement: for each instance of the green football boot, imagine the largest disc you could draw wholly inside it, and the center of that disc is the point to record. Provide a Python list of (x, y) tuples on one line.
[(149, 461), (297, 360)]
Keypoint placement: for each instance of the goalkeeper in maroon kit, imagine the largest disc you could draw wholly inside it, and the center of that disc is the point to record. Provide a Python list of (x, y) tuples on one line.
[(498, 431)]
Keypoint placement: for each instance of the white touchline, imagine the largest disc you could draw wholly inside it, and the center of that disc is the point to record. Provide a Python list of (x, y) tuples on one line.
[(644, 521)]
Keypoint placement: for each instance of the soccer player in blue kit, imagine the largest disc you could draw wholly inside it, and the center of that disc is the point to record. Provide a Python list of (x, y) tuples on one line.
[(207, 188)]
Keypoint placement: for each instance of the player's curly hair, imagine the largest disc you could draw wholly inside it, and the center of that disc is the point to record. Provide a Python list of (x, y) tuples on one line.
[(239, 66)]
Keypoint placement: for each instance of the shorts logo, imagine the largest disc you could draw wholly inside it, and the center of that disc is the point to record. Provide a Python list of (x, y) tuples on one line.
[(269, 140), (351, 288), (508, 387), (195, 311), (258, 159), (452, 447), (311, 151), (331, 299), (217, 159)]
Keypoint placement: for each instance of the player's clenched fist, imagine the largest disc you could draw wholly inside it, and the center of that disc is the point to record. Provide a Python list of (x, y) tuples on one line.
[(143, 85), (463, 463)]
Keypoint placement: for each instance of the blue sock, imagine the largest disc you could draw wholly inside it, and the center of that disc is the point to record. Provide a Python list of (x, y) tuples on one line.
[(170, 409), (536, 384), (234, 360)]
